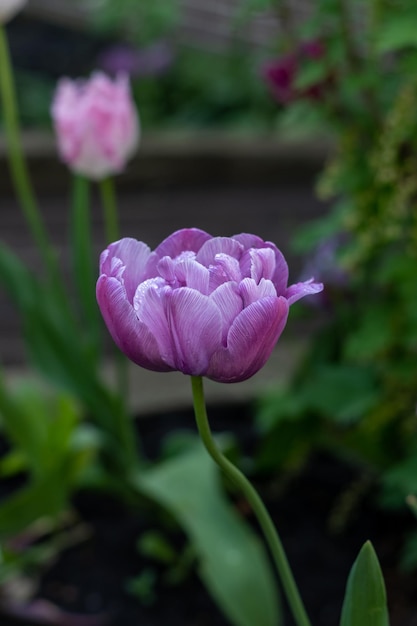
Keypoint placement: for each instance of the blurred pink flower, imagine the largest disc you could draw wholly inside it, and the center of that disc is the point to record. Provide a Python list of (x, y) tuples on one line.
[(281, 74), (201, 305), (9, 8), (96, 124)]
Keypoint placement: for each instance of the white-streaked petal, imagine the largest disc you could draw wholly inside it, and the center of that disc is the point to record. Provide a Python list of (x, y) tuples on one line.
[(150, 307), (192, 274), (262, 263), (133, 255), (224, 269), (195, 328), (130, 335), (181, 241), (229, 302), (250, 291), (218, 245), (299, 290), (250, 342)]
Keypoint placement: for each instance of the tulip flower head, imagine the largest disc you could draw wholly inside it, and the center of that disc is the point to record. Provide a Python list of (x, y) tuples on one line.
[(201, 305), (9, 8), (96, 124)]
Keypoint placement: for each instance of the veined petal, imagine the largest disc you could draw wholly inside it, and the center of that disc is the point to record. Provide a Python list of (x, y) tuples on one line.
[(134, 256), (280, 277), (299, 290), (262, 263), (192, 274), (250, 342), (150, 307), (130, 335), (195, 326), (218, 245), (229, 302), (181, 241), (224, 270), (251, 291)]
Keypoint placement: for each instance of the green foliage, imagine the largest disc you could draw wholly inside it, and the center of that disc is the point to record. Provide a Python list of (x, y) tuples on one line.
[(365, 602), (232, 561)]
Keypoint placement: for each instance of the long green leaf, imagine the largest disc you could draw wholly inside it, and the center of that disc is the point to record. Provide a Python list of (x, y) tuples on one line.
[(365, 602), (233, 562)]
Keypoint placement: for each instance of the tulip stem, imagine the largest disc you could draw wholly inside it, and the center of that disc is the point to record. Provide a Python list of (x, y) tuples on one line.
[(111, 225), (17, 163), (235, 475), (108, 199), (82, 258)]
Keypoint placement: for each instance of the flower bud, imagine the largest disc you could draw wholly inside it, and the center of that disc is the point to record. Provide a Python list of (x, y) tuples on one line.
[(96, 124)]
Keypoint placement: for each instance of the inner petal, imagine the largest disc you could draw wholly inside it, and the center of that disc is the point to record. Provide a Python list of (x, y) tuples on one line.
[(251, 291), (224, 269)]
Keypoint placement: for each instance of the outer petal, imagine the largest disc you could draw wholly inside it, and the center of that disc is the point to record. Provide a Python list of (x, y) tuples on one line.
[(134, 255), (250, 342), (182, 240), (195, 326), (299, 290), (130, 335)]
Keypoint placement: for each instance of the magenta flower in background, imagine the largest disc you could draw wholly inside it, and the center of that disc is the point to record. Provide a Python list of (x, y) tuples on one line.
[(9, 8), (202, 305), (281, 74), (96, 124)]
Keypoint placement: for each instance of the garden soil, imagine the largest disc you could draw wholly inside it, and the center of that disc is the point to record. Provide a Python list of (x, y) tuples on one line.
[(92, 578)]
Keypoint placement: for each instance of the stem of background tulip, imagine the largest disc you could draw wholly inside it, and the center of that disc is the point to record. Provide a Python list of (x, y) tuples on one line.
[(17, 162), (111, 225), (108, 198), (294, 599), (82, 260)]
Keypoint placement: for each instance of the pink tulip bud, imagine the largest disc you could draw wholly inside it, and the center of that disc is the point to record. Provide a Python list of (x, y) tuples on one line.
[(9, 8), (201, 305), (96, 124)]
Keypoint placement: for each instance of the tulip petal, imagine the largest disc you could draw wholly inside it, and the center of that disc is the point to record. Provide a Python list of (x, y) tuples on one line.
[(229, 302), (280, 277), (182, 240), (129, 334), (218, 245), (299, 290), (250, 342), (134, 255), (150, 307), (195, 327), (250, 291)]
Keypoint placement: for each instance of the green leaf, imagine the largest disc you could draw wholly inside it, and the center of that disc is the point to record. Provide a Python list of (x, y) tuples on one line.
[(45, 498), (399, 31), (341, 392), (233, 562), (311, 73), (365, 602)]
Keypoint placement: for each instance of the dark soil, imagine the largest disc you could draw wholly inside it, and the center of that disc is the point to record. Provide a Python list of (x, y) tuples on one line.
[(91, 578)]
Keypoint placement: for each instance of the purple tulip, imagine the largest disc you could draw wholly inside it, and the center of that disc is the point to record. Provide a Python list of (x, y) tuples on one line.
[(203, 305)]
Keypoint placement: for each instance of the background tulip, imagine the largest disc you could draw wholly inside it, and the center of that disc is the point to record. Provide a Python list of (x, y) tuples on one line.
[(9, 8), (96, 124), (206, 306)]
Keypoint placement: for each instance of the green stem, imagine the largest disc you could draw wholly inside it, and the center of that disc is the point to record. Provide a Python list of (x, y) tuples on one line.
[(111, 225), (294, 600), (108, 198), (82, 258), (17, 162)]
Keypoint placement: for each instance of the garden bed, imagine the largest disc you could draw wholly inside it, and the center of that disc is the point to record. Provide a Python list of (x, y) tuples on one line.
[(91, 579)]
